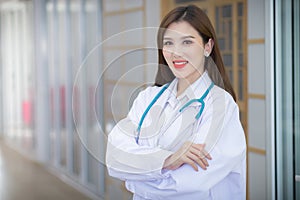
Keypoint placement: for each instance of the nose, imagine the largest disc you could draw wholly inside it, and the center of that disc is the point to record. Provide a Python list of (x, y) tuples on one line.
[(177, 51)]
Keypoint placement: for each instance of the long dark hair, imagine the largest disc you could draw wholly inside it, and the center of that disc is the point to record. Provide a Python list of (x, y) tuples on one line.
[(200, 22)]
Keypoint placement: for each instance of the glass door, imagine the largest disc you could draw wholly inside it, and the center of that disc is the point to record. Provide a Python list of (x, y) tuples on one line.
[(287, 90), (296, 36)]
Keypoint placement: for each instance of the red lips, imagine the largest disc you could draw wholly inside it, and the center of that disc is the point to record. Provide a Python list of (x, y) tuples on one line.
[(178, 64)]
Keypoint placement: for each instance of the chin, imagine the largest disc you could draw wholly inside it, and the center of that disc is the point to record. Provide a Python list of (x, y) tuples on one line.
[(181, 76)]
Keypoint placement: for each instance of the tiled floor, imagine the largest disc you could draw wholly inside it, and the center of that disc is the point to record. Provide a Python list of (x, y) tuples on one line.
[(22, 179)]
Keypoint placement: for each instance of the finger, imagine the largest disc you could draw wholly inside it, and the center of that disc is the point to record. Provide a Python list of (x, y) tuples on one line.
[(201, 162), (195, 150), (189, 160), (206, 154), (192, 163), (204, 161), (198, 153), (203, 153)]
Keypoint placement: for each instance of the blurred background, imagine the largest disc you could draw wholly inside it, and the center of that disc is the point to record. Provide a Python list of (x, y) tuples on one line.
[(70, 69)]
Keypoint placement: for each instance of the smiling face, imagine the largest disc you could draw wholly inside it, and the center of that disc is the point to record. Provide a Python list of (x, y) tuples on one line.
[(183, 50)]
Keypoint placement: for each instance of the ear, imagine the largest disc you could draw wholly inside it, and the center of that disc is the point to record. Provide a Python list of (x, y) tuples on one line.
[(208, 47)]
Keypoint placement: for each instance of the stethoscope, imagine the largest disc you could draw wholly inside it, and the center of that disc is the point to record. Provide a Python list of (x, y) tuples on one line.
[(200, 100)]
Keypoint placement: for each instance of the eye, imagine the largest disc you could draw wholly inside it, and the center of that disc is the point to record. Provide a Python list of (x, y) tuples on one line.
[(167, 43), (187, 42)]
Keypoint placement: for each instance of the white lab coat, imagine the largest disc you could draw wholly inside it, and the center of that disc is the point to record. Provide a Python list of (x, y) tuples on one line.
[(164, 130)]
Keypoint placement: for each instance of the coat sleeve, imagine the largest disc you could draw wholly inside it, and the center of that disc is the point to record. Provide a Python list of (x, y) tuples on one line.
[(228, 155), (127, 160)]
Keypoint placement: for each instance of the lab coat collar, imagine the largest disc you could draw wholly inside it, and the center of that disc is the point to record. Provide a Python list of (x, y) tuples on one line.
[(194, 91)]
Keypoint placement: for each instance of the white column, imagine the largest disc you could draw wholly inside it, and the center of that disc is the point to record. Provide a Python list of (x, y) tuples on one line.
[(42, 89)]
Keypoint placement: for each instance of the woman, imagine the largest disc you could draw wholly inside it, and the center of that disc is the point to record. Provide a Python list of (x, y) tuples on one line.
[(183, 140)]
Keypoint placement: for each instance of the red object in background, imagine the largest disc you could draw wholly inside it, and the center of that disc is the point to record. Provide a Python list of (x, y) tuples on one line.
[(27, 112)]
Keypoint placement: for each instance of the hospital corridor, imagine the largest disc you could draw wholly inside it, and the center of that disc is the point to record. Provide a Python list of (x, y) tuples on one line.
[(22, 178), (70, 70)]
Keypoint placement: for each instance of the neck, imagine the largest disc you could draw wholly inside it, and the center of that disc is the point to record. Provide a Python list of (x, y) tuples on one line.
[(184, 83)]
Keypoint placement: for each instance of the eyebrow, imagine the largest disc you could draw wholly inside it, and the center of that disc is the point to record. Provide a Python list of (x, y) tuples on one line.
[(184, 37)]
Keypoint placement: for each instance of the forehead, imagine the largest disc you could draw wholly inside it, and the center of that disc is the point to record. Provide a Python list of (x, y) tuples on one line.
[(179, 29)]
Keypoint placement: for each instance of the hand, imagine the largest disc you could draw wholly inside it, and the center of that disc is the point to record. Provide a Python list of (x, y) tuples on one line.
[(190, 153)]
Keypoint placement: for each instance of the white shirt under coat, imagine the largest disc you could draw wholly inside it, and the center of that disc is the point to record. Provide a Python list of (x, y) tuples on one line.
[(164, 130)]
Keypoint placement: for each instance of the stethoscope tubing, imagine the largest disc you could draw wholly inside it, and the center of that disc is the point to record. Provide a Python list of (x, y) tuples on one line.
[(200, 100)]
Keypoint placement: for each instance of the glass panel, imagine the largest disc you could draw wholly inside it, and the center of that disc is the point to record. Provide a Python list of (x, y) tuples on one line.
[(75, 56), (221, 44), (297, 122), (54, 82), (61, 74), (223, 27), (241, 84), (284, 111), (257, 166), (227, 11), (112, 5), (112, 30), (240, 9), (93, 164), (297, 96), (133, 20), (217, 20), (129, 94), (132, 3), (230, 35), (113, 99), (134, 37), (76, 154), (113, 64), (240, 34), (17, 84), (93, 143), (231, 77), (134, 66), (241, 61), (227, 58)]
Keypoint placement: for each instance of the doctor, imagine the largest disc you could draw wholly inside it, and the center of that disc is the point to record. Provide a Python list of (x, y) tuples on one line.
[(182, 140)]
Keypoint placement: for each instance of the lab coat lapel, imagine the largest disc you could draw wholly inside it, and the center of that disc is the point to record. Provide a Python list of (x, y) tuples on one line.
[(181, 128), (184, 118), (156, 119)]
